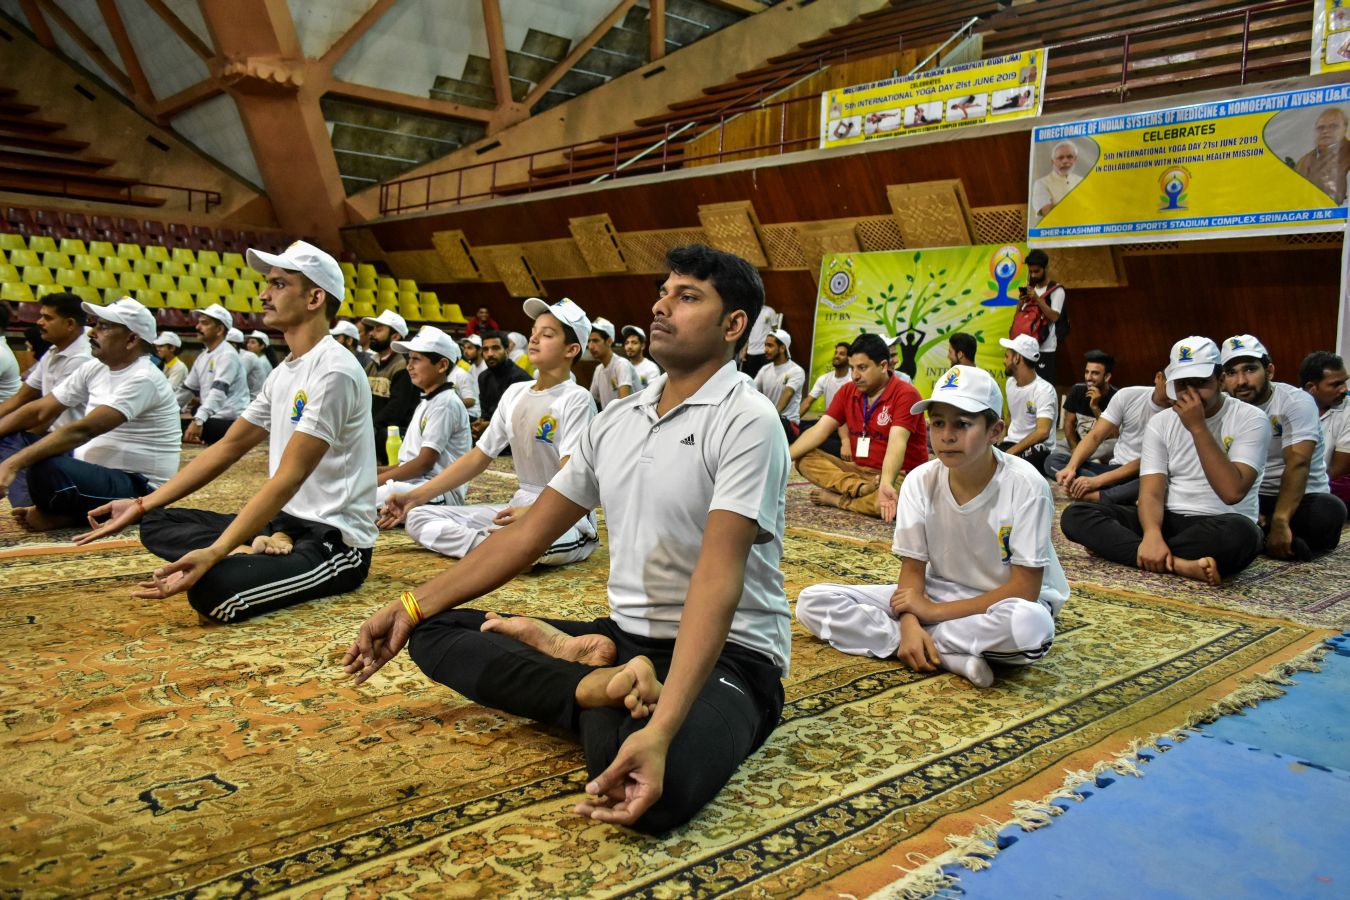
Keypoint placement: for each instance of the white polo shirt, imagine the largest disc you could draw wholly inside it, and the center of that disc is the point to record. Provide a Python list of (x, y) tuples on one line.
[(1239, 428), (607, 380), (1293, 418), (176, 372), (773, 379), (218, 379), (647, 370), (149, 441), (466, 386), (1027, 404), (1130, 410), (55, 367), (324, 394), (658, 478)]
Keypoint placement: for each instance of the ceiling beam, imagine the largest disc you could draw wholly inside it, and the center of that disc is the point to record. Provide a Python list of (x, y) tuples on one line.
[(356, 32), (118, 29), (41, 30), (580, 50), (186, 34), (188, 97), (492, 28), (656, 30), (89, 46), (424, 106), (745, 6)]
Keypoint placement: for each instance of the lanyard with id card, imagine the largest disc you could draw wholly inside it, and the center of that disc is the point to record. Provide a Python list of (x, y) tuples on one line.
[(864, 444)]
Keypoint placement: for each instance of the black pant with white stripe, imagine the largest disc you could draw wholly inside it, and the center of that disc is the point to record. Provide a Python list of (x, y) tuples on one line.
[(242, 586)]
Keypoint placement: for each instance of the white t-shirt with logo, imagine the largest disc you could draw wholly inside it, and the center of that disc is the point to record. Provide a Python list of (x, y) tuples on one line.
[(176, 373), (56, 366), (1336, 431), (324, 394), (773, 379), (439, 423), (541, 427), (466, 386), (607, 380), (219, 380), (828, 385), (1037, 400), (1240, 429), (149, 441), (1130, 410), (647, 370), (1293, 418), (969, 549)]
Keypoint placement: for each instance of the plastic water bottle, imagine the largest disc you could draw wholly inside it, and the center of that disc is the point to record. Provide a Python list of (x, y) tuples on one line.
[(392, 445)]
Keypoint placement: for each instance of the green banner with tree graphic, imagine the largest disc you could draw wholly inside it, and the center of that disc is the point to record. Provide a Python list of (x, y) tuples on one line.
[(922, 297)]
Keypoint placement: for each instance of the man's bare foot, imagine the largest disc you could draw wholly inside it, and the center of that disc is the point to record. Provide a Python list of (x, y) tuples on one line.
[(1206, 570), (37, 520), (276, 544), (20, 514), (587, 649), (632, 686), (822, 497)]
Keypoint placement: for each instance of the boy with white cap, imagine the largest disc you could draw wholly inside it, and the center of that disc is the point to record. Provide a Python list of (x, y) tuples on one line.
[(471, 345), (125, 438), (253, 374), (167, 345), (635, 348), (614, 375), (393, 396), (782, 381), (1033, 405), (1198, 480), (217, 381), (314, 412), (979, 579), (256, 344), (1300, 516), (439, 431), (541, 421)]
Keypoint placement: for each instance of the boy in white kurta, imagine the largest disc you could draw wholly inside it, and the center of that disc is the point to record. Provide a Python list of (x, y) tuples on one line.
[(979, 579)]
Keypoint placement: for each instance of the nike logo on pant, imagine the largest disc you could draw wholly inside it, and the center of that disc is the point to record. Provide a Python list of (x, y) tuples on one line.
[(732, 686)]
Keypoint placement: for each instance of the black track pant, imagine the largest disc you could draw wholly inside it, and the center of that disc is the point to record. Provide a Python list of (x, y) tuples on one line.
[(240, 587), (1113, 532), (1317, 523), (735, 712)]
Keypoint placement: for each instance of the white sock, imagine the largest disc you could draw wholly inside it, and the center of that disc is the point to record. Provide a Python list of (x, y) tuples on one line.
[(972, 668)]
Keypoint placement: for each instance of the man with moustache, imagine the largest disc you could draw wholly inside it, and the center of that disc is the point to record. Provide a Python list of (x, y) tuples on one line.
[(499, 375), (217, 382), (392, 395), (1324, 377)]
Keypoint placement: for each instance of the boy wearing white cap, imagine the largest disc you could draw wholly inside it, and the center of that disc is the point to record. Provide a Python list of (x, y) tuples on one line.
[(782, 381), (614, 375), (217, 381), (682, 681), (439, 431), (256, 344), (472, 347), (1198, 478), (635, 349), (249, 361), (314, 412), (125, 438), (979, 579), (1300, 516), (393, 396), (1033, 405), (541, 421), (167, 345)]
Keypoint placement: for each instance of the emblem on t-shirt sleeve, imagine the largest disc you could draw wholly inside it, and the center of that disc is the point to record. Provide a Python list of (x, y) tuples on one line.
[(298, 405), (1276, 427), (1227, 442), (884, 417), (547, 430), (422, 424), (1005, 542), (1031, 407)]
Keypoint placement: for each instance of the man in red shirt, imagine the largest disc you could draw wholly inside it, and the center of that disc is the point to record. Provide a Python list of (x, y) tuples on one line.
[(887, 439)]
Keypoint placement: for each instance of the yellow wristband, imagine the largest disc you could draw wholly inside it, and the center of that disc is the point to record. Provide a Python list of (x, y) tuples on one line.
[(410, 605)]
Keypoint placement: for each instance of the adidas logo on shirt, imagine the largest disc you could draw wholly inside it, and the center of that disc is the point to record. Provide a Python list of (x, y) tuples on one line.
[(689, 441)]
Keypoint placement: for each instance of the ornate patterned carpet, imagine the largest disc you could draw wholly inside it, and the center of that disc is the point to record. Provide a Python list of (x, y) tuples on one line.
[(145, 755)]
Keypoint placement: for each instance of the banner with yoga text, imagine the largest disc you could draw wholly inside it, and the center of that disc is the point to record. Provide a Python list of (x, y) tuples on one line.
[(1330, 36), (1267, 164), (988, 90), (921, 296)]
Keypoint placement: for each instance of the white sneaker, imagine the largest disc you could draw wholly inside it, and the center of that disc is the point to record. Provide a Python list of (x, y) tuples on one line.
[(972, 668)]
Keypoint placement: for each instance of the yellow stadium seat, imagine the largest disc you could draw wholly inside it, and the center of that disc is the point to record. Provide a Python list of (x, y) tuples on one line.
[(54, 259), (9, 273), (112, 294), (157, 252), (362, 295), (23, 258), (348, 271), (229, 273), (132, 281), (453, 314), (174, 267), (179, 300), (87, 293), (151, 299), (386, 300), (408, 297), (40, 243), (233, 260), (12, 242), (37, 275), (408, 309), (116, 264), (88, 263), (363, 310), (205, 300), (72, 247), (235, 303), (16, 292), (101, 280), (208, 258), (200, 270), (183, 255), (407, 285), (257, 304), (345, 310), (217, 286), (42, 290), (102, 249), (145, 266), (163, 283), (191, 285), (365, 276), (70, 278), (130, 251), (387, 284)]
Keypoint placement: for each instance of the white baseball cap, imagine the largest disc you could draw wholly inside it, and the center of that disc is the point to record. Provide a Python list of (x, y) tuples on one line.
[(782, 337), (260, 337), (604, 326), (633, 329), (345, 329), (518, 340), (472, 339), (1024, 345), (1241, 346), (127, 313), (967, 388), (217, 312), (234, 336), (390, 318), (1191, 357), (430, 339), (306, 259), (168, 339), (567, 312)]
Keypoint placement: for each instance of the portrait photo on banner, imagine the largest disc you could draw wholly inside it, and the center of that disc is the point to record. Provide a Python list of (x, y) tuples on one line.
[(1058, 168), (1313, 143)]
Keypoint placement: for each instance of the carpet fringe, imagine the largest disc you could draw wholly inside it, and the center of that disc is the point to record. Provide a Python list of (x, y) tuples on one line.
[(976, 851)]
